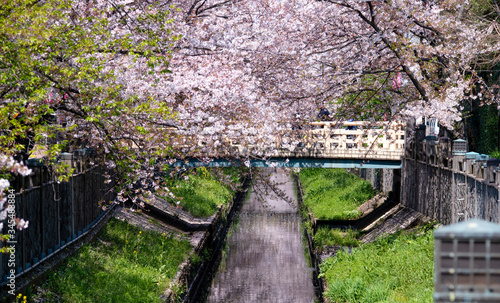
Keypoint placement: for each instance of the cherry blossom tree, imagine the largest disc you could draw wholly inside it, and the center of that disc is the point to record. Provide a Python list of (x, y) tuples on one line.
[(360, 59), (8, 166), (144, 81), (82, 74)]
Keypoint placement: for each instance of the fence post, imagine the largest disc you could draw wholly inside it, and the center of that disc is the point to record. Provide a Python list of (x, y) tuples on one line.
[(58, 212), (37, 166), (72, 205)]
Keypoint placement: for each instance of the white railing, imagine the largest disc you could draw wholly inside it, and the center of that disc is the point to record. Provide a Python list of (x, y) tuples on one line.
[(332, 140), (349, 140)]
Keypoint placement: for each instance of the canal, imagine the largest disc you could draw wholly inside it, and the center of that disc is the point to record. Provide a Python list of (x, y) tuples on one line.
[(265, 258)]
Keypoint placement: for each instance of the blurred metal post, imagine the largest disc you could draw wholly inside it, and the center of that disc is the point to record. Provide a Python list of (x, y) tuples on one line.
[(467, 262)]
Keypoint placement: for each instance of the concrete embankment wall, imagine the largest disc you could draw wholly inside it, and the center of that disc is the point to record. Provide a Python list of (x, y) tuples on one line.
[(381, 179), (314, 257), (196, 278), (443, 193), (448, 195)]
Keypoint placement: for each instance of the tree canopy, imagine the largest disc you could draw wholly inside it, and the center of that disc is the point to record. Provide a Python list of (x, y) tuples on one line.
[(119, 76), (77, 74)]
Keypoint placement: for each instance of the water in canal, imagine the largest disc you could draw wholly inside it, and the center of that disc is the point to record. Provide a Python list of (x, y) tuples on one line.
[(265, 260)]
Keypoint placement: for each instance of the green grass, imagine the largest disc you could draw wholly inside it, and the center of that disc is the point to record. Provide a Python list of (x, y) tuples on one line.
[(397, 268), (125, 265), (334, 194), (202, 191), (335, 237)]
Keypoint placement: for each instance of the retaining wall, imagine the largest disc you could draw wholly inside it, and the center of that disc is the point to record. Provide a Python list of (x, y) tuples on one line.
[(443, 182), (449, 195), (382, 180), (196, 278), (449, 191)]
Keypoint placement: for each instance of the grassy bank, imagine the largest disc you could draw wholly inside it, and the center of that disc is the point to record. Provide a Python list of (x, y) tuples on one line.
[(326, 237), (125, 264), (201, 191), (333, 194), (397, 268)]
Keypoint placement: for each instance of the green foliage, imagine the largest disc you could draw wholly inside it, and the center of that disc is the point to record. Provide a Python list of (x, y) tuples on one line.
[(495, 154), (370, 102), (334, 193), (484, 9), (335, 237), (482, 128), (481, 116), (488, 125), (396, 268), (124, 265), (59, 58), (202, 192)]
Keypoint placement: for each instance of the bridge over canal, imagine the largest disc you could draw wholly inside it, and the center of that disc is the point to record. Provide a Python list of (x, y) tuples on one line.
[(356, 144)]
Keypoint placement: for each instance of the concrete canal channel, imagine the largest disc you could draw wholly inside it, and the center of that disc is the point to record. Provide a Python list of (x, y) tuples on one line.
[(265, 257)]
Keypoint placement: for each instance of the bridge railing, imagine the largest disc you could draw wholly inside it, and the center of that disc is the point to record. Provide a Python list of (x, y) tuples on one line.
[(349, 140), (342, 140)]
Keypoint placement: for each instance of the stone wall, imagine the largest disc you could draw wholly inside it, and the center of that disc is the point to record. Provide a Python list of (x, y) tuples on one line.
[(446, 187), (446, 195), (447, 184), (382, 180)]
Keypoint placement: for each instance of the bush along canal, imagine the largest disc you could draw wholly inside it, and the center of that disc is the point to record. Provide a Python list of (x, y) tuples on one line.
[(264, 257), (382, 254)]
